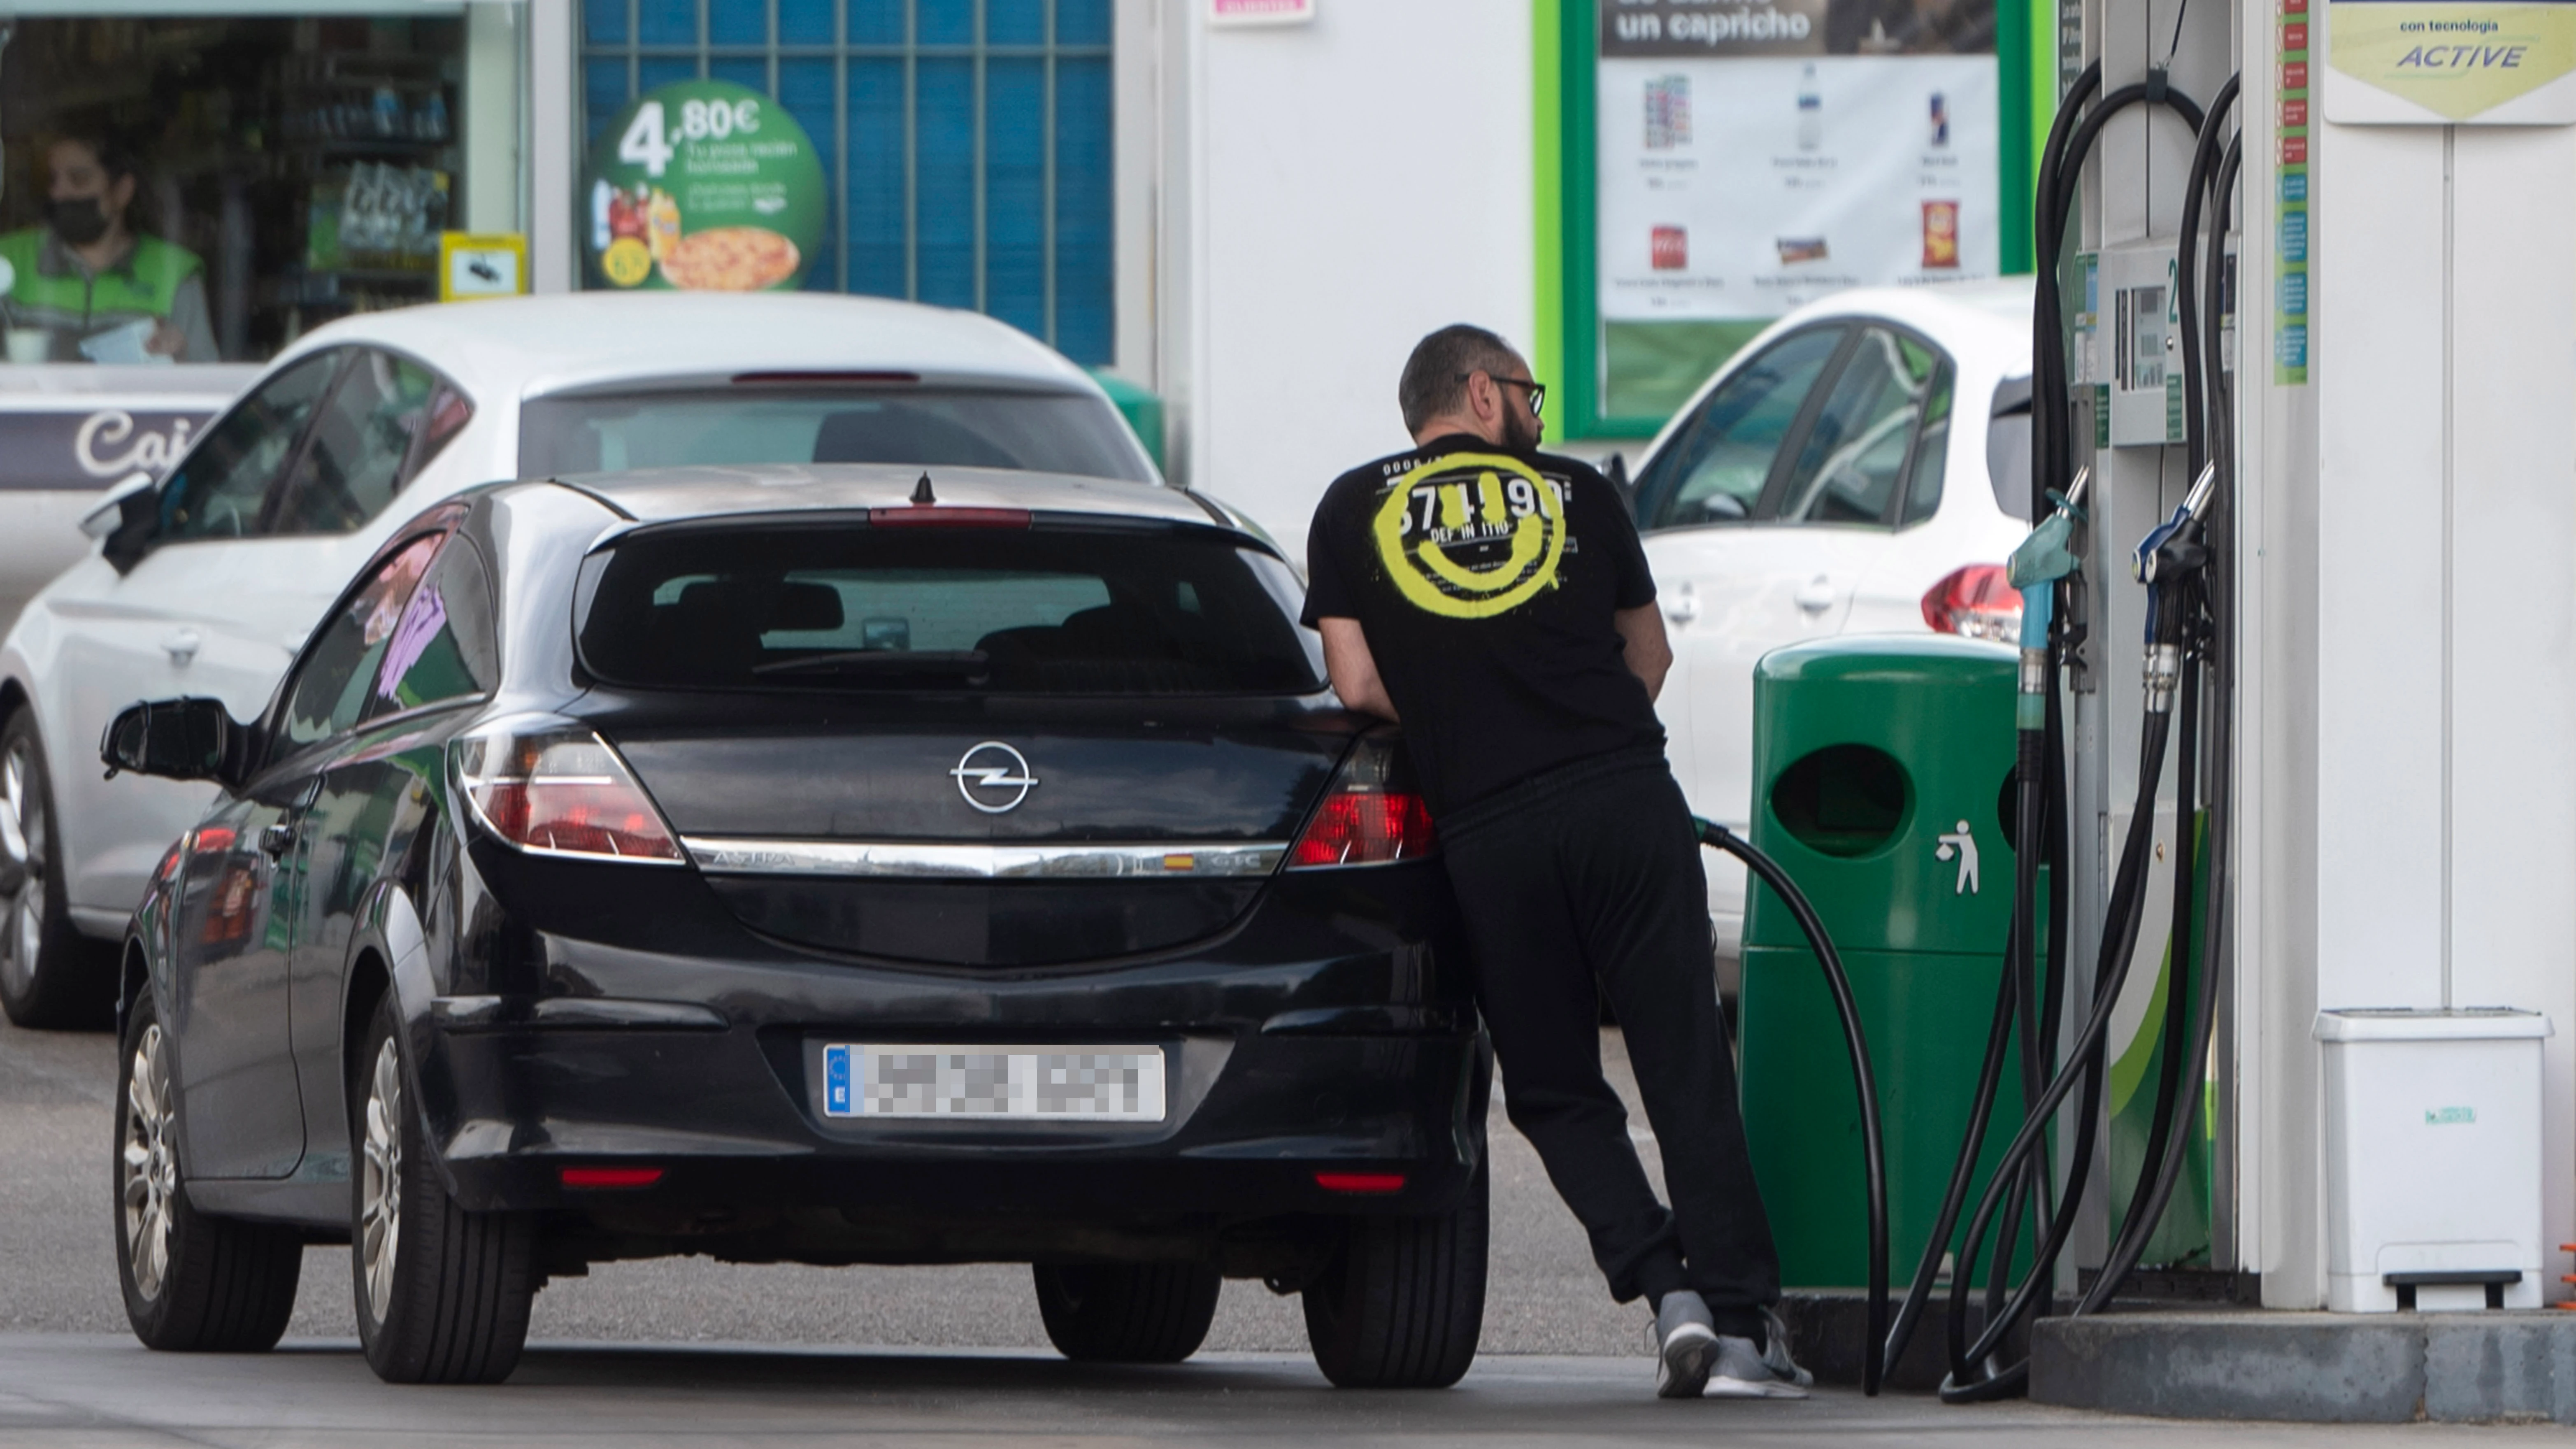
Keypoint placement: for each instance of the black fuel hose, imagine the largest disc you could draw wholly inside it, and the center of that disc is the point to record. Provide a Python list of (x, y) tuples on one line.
[(2205, 152), (2071, 137), (1873, 1146), (2196, 615), (2218, 595), (1970, 1380), (2143, 1211)]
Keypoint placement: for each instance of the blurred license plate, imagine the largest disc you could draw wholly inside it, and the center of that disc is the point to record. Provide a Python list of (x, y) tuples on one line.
[(1119, 1084)]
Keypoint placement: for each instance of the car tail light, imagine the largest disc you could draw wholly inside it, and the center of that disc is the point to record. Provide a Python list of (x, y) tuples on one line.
[(1372, 815), (1975, 602), (563, 792), (1360, 1183)]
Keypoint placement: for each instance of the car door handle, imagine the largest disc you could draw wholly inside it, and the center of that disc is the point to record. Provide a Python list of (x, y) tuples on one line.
[(1817, 596), (276, 840), (1681, 608), (182, 645)]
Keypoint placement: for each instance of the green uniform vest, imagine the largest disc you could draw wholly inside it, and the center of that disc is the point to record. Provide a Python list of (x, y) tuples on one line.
[(146, 283)]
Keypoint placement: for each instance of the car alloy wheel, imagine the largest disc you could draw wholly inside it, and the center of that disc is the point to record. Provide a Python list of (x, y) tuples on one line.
[(23, 866), (150, 1183), (380, 1185), (192, 1282), (441, 1292), (49, 976)]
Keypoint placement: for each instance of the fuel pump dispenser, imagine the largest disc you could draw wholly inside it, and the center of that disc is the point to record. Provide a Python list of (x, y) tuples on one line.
[(2390, 599), (2158, 405)]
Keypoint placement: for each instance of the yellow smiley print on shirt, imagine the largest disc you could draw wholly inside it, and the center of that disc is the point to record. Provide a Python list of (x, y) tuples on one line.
[(1466, 501)]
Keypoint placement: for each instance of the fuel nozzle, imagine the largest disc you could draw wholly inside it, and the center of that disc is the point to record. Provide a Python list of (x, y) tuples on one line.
[(2171, 555), (2046, 556)]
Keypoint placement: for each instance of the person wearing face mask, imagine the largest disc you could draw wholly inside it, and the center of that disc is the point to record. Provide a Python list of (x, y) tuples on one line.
[(87, 275), (1495, 600)]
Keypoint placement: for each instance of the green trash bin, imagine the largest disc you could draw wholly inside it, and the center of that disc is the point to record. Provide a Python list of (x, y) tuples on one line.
[(1883, 787)]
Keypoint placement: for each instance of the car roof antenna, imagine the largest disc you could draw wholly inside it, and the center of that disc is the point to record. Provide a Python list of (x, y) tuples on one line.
[(921, 494)]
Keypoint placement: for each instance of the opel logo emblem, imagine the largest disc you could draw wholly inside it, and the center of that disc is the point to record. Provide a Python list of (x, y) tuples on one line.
[(993, 777)]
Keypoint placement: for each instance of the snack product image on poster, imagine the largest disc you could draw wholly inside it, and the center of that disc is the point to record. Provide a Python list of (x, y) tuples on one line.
[(1801, 146), (704, 186)]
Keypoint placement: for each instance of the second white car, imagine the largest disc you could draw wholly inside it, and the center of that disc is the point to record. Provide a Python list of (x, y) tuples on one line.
[(1830, 479), (206, 582)]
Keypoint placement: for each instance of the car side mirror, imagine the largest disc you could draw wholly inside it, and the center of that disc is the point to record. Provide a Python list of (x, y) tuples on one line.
[(174, 739), (2008, 447), (127, 525), (1723, 508)]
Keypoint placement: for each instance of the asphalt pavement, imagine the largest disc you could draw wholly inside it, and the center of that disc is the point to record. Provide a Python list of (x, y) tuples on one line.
[(689, 1352), (57, 1258)]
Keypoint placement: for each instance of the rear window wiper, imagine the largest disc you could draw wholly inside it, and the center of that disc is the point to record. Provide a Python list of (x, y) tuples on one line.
[(957, 663)]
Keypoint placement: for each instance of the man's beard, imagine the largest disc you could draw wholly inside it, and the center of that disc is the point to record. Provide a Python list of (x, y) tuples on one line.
[(1521, 431)]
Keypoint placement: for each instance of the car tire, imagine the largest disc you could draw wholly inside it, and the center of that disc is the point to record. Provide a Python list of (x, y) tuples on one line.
[(1402, 1300), (193, 1283), (442, 1294), (1127, 1312), (49, 974)]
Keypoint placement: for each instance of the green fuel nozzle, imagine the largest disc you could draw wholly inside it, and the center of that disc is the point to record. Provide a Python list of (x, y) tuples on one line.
[(2035, 567)]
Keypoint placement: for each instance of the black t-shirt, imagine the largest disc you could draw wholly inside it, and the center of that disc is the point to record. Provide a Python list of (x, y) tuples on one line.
[(1485, 579)]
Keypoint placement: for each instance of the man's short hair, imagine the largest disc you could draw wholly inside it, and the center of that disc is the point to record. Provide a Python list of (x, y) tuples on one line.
[(1435, 377)]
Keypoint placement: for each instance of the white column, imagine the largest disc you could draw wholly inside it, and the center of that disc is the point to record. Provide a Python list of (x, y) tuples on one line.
[(554, 148), (1362, 180)]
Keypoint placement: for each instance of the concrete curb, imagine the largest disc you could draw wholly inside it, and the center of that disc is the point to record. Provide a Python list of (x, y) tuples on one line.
[(2325, 1368)]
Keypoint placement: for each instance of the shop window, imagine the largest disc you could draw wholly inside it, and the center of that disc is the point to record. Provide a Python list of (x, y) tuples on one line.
[(263, 172), (966, 144)]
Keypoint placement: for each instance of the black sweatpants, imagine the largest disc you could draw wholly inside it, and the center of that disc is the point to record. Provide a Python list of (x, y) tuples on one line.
[(1592, 871)]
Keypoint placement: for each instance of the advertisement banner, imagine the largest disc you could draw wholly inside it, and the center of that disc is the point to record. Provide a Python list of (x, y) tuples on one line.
[(2444, 62), (78, 446), (1744, 186), (704, 186)]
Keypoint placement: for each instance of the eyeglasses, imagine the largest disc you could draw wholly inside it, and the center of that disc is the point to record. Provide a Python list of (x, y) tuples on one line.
[(1537, 390)]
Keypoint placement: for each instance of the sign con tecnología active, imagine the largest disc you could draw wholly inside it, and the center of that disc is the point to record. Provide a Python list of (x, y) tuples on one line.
[(2451, 62)]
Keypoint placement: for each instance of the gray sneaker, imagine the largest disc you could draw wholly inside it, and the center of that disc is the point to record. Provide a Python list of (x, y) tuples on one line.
[(1745, 1372), (1685, 1344)]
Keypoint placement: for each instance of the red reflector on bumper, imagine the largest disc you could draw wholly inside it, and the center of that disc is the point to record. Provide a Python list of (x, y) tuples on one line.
[(1362, 1182), (611, 1176)]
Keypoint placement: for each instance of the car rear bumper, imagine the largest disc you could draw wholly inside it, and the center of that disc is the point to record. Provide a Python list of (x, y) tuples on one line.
[(1264, 1091), (1328, 1030)]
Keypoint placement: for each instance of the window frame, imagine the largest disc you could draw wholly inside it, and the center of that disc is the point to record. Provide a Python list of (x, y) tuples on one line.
[(338, 353), (1790, 438), (1892, 513), (628, 66), (273, 501), (276, 750)]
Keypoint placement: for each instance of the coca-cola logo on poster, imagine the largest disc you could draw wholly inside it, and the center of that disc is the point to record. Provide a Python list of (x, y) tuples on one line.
[(84, 449)]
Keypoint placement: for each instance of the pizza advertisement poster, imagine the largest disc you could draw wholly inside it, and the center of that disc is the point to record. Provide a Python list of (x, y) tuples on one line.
[(704, 186)]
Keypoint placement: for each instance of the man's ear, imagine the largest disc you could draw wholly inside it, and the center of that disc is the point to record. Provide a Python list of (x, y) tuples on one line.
[(120, 192)]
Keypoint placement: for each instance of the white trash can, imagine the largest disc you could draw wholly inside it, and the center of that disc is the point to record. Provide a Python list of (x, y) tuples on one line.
[(2432, 1159)]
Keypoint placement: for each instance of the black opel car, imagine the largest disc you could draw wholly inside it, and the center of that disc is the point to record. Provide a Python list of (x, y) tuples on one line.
[(803, 864)]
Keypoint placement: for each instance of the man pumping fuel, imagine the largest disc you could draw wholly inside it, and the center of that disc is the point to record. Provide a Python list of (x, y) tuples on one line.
[(1495, 599)]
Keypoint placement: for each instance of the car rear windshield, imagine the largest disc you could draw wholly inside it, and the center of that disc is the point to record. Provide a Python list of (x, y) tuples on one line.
[(989, 610), (1036, 432)]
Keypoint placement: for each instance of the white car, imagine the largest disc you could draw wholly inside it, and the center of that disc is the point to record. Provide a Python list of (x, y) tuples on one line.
[(1830, 479), (206, 582)]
